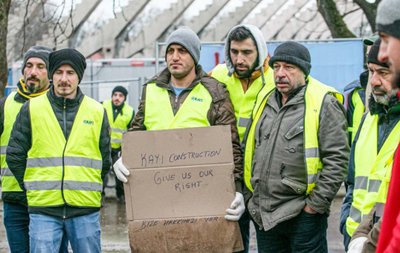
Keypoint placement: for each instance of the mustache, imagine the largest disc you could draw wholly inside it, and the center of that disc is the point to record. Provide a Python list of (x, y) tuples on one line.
[(378, 88), (281, 80), (32, 78)]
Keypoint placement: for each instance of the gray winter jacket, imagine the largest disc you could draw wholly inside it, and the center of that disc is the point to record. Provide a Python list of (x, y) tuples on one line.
[(279, 172)]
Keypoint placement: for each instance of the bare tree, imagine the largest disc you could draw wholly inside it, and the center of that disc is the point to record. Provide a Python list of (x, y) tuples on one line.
[(4, 10), (335, 20)]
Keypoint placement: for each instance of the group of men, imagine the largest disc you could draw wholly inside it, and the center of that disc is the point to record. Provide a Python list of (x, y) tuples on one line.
[(289, 137)]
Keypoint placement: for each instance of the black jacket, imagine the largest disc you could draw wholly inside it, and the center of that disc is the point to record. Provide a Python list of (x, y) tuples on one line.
[(21, 142)]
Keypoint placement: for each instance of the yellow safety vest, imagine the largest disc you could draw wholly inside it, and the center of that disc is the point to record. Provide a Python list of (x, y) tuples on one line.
[(244, 102), (11, 109), (61, 171), (358, 112), (314, 96), (372, 170), (192, 113), (120, 125)]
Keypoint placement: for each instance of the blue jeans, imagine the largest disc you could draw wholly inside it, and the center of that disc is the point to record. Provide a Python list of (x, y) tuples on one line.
[(305, 233), (16, 222), (46, 233)]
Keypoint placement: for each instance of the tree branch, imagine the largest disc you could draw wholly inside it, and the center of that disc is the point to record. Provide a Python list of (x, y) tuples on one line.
[(333, 19)]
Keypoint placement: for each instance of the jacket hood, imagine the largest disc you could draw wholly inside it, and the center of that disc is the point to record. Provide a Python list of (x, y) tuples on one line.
[(260, 43)]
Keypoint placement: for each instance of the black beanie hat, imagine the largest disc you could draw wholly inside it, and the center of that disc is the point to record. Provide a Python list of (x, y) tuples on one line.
[(70, 57), (293, 53), (41, 52), (373, 54), (120, 89)]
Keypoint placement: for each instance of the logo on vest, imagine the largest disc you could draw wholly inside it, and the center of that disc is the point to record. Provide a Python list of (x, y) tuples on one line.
[(88, 122), (197, 99)]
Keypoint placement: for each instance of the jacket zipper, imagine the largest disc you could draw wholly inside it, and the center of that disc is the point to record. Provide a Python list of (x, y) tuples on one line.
[(176, 104), (63, 163)]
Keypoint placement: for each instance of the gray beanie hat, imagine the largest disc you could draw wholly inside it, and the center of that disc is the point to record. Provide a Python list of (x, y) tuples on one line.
[(41, 52), (388, 18), (293, 53), (185, 37)]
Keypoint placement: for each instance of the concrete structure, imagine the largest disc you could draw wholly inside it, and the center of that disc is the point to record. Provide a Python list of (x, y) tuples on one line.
[(133, 31)]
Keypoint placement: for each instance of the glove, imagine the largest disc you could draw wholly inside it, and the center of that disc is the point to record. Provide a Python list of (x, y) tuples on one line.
[(357, 245), (121, 171), (236, 209)]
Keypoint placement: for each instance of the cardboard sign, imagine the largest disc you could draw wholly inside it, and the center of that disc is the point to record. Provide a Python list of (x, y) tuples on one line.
[(180, 184)]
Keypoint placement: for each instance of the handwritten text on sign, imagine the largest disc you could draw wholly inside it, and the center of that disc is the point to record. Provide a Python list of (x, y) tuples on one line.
[(183, 180), (154, 223), (150, 160)]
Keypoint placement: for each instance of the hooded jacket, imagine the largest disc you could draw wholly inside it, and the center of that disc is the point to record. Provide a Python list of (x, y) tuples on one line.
[(260, 43), (220, 113), (244, 99)]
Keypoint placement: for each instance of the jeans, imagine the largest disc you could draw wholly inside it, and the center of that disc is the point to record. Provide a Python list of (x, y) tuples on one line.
[(46, 233), (305, 233), (16, 222)]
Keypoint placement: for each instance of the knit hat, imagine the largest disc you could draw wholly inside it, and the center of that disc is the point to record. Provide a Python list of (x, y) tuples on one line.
[(188, 39), (120, 89), (373, 54), (68, 56), (293, 53), (388, 18), (41, 52)]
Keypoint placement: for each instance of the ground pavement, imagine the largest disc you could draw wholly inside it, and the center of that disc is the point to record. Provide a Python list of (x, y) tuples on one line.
[(114, 232)]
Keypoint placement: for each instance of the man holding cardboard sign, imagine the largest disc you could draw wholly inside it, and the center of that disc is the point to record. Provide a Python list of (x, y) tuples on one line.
[(184, 96)]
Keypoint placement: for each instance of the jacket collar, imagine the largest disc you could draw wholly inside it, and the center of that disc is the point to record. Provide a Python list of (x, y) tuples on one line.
[(163, 79), (60, 101), (392, 108)]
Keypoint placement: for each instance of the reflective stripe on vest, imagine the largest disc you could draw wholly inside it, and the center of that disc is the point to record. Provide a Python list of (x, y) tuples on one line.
[(120, 125), (243, 103), (192, 113), (11, 109), (314, 96), (358, 112), (372, 170), (61, 170)]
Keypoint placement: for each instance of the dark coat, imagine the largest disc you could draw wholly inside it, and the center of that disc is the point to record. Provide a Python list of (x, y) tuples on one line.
[(21, 141)]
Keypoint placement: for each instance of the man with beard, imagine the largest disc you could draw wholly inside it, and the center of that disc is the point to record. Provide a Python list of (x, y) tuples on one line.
[(34, 82), (245, 73), (369, 169), (184, 96), (59, 151), (120, 116), (300, 151), (388, 26)]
